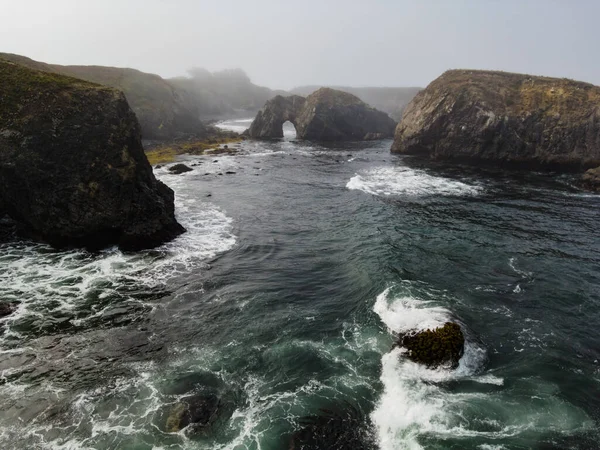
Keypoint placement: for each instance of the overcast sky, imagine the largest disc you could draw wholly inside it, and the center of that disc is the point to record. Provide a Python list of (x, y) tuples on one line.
[(282, 44)]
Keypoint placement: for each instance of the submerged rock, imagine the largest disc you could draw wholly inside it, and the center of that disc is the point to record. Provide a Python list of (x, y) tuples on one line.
[(498, 117), (72, 167), (198, 410), (441, 346), (179, 168), (7, 308), (325, 115), (341, 429)]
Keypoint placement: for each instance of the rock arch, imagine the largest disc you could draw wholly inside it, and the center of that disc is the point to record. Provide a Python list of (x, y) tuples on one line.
[(270, 119), (325, 115)]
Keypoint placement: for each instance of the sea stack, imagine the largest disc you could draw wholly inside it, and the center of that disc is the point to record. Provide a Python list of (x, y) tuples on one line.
[(72, 168), (504, 118), (325, 115)]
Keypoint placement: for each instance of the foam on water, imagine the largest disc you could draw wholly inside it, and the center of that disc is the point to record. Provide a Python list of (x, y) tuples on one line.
[(406, 181), (415, 404), (43, 280)]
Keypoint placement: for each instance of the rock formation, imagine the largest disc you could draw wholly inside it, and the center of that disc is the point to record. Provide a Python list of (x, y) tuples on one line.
[(325, 115), (441, 346), (504, 118), (591, 179), (390, 100), (72, 167)]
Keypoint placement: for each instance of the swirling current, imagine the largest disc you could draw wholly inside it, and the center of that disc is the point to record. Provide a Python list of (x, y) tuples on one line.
[(278, 311)]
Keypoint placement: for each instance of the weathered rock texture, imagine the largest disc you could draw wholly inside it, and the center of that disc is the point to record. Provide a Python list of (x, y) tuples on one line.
[(325, 115), (72, 167), (498, 117), (441, 346), (591, 179)]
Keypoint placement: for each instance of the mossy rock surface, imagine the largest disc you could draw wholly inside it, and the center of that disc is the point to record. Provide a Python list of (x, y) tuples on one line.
[(442, 346), (199, 410), (72, 166)]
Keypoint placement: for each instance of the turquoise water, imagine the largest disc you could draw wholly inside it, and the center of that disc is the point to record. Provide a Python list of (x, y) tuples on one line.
[(279, 308)]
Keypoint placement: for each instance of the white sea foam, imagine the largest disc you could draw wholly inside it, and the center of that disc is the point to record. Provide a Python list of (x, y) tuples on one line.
[(41, 279), (415, 402), (406, 181), (412, 403)]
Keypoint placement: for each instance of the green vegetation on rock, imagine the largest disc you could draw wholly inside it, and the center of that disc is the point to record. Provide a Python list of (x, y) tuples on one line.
[(440, 346)]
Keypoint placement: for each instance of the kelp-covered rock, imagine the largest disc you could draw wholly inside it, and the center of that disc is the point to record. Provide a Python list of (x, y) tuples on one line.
[(72, 167), (504, 118), (325, 115), (345, 428), (441, 346)]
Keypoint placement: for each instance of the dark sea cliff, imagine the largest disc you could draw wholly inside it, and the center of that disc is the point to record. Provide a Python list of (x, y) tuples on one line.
[(278, 310)]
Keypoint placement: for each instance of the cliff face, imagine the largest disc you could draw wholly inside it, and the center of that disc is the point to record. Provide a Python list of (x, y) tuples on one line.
[(504, 118), (72, 167), (326, 115)]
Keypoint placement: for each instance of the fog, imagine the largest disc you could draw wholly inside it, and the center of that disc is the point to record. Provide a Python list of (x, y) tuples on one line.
[(286, 44)]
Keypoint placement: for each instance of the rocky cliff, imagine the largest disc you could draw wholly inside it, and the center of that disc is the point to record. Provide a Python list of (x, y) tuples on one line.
[(390, 100), (325, 115), (72, 167), (504, 118)]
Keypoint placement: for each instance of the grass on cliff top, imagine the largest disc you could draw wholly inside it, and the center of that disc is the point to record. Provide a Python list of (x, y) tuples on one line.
[(20, 85), (166, 153)]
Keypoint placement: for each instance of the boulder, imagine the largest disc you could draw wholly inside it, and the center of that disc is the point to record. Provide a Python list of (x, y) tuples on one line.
[(504, 118), (72, 168), (325, 115), (179, 168), (442, 346), (591, 179)]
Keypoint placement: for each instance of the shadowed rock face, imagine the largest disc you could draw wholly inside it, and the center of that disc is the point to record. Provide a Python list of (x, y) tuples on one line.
[(72, 167), (269, 121), (325, 115), (499, 117)]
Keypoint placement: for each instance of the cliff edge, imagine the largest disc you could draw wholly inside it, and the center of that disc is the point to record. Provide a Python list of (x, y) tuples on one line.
[(72, 167)]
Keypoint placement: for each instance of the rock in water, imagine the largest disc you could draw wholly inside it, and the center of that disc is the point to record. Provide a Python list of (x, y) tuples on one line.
[(325, 115), (197, 410), (179, 168), (441, 346), (72, 168), (591, 179), (497, 117)]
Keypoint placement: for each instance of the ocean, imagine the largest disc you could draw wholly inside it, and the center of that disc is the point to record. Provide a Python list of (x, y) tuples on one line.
[(277, 312)]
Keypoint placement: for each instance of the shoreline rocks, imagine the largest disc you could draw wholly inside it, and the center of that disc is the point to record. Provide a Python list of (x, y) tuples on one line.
[(325, 115), (72, 167), (500, 118)]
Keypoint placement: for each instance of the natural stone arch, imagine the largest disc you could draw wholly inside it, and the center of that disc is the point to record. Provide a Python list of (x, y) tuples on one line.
[(325, 115), (270, 119)]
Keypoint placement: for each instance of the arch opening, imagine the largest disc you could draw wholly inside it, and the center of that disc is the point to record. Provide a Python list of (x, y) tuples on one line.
[(289, 130)]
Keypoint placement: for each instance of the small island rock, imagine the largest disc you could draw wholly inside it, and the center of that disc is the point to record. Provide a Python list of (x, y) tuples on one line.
[(325, 115)]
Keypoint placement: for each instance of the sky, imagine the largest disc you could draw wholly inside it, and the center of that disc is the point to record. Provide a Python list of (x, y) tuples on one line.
[(283, 44)]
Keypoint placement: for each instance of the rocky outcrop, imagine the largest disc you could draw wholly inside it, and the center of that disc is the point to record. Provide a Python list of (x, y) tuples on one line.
[(504, 118), (441, 346), (269, 121), (390, 100), (591, 179), (325, 115), (72, 167)]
